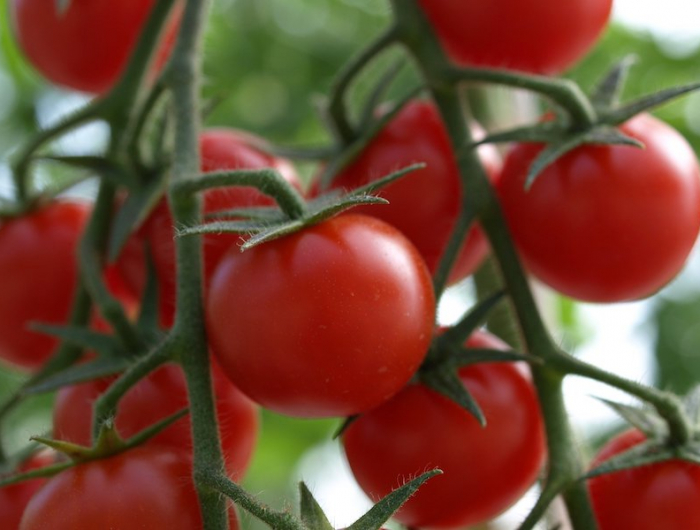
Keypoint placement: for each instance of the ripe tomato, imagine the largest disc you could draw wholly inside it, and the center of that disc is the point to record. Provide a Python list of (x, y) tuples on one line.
[(651, 497), (607, 223), (159, 395), (221, 150), (87, 46), (328, 321), (14, 498), (485, 469), (38, 275), (425, 204), (145, 487), (539, 36)]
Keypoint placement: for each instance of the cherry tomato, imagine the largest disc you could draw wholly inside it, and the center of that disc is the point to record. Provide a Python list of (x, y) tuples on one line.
[(14, 498), (425, 204), (607, 223), (38, 276), (154, 398), (145, 487), (485, 470), (221, 150), (539, 36), (328, 321), (650, 497), (87, 46)]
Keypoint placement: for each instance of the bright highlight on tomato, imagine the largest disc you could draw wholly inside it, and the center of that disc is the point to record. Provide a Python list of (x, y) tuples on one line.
[(328, 321), (537, 36), (425, 204), (606, 223), (485, 470)]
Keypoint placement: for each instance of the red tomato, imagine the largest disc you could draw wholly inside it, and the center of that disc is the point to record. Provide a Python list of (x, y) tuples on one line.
[(540, 36), (485, 470), (87, 46), (662, 496), (159, 395), (38, 275), (221, 150), (14, 498), (328, 321), (425, 204), (607, 223), (141, 488)]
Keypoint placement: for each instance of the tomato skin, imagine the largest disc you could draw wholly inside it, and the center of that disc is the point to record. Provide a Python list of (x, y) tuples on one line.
[(543, 37), (86, 47), (425, 204), (485, 470), (221, 150), (38, 276), (14, 498), (606, 223), (141, 488), (160, 394), (328, 321), (661, 496)]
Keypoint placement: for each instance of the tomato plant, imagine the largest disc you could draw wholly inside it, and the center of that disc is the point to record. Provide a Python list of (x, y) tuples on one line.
[(221, 150), (485, 469), (154, 398), (87, 46), (649, 497), (606, 223), (328, 321), (14, 498), (540, 36), (154, 490), (425, 204), (37, 256)]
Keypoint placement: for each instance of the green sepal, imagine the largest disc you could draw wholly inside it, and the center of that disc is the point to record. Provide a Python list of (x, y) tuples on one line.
[(620, 115), (389, 505), (86, 338), (152, 430), (445, 381), (79, 373), (607, 93), (343, 426), (95, 164), (646, 420), (471, 321), (311, 512), (646, 453), (272, 233), (460, 357), (43, 472), (545, 132), (269, 214)]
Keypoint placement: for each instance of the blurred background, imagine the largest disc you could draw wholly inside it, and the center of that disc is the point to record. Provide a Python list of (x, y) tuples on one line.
[(268, 62)]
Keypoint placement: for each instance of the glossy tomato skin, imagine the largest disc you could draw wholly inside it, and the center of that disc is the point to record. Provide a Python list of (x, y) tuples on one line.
[(154, 398), (145, 487), (425, 204), (14, 498), (662, 496), (87, 46), (539, 36), (328, 321), (606, 223), (38, 276), (485, 470), (221, 150)]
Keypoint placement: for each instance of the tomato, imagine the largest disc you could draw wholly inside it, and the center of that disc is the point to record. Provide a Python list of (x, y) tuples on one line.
[(652, 497), (221, 150), (425, 204), (328, 321), (485, 470), (14, 498), (606, 223), (154, 398), (540, 36), (141, 488), (38, 275), (87, 46)]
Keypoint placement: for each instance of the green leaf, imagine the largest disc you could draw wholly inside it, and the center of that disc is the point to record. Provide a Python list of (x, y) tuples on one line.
[(84, 337), (311, 512), (607, 93), (445, 381), (551, 153), (646, 103), (272, 233), (643, 454), (472, 320), (345, 203), (79, 373), (385, 508), (646, 420)]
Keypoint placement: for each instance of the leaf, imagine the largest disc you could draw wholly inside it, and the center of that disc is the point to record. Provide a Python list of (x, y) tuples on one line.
[(83, 337), (385, 508), (345, 203), (643, 454), (472, 320), (272, 233), (645, 420), (608, 91), (445, 381), (551, 153), (311, 512), (645, 103), (79, 373)]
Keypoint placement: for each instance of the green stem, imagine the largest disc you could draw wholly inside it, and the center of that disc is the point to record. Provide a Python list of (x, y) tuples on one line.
[(188, 333)]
